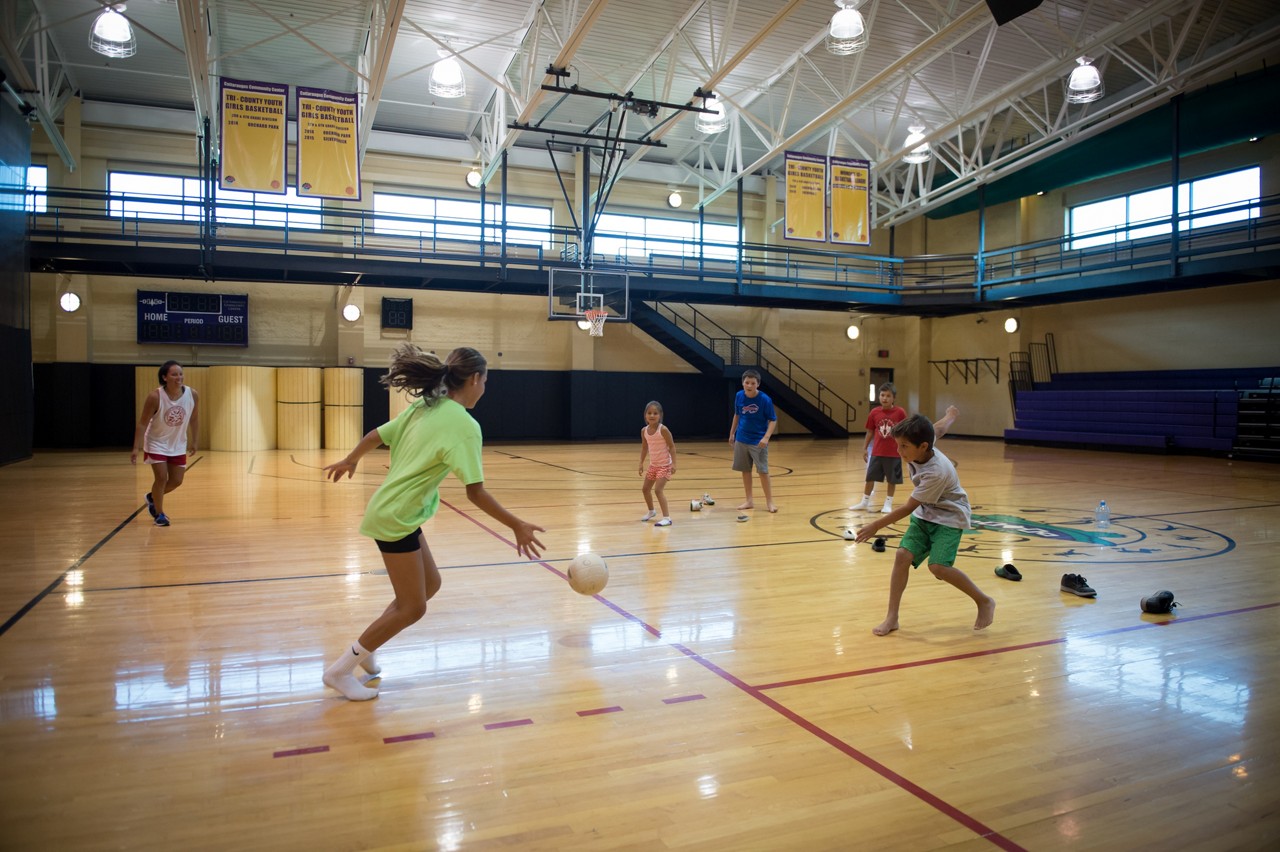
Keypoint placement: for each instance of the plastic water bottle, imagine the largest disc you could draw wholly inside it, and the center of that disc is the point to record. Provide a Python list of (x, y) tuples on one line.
[(1102, 515)]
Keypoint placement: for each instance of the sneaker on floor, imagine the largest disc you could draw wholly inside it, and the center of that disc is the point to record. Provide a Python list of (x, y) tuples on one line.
[(649, 516), (151, 505), (861, 505), (665, 522), (887, 508), (162, 520), (1077, 585)]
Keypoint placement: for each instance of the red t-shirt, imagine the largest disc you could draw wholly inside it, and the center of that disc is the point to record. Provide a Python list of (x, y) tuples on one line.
[(880, 423)]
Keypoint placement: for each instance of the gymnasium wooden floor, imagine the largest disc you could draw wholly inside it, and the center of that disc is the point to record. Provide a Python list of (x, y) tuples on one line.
[(161, 687)]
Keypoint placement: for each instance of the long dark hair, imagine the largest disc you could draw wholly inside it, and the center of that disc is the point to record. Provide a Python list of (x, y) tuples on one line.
[(164, 370), (422, 374)]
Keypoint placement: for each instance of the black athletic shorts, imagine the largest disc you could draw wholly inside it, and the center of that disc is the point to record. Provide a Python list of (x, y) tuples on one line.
[(408, 544)]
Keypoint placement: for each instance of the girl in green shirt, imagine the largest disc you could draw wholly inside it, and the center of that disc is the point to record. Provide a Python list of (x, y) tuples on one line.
[(430, 438)]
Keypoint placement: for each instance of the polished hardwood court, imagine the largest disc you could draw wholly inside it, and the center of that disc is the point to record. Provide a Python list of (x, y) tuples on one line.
[(161, 686)]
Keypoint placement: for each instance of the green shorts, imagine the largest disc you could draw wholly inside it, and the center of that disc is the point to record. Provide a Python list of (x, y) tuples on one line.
[(927, 540)]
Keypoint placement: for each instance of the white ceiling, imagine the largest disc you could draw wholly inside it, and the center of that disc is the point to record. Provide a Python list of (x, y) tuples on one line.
[(991, 97)]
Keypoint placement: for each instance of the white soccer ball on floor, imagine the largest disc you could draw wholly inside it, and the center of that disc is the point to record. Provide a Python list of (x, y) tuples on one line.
[(588, 574)]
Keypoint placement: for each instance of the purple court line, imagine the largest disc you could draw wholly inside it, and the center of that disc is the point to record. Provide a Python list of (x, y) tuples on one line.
[(514, 723), (404, 738), (294, 752), (880, 769), (1008, 649), (599, 710), (683, 698)]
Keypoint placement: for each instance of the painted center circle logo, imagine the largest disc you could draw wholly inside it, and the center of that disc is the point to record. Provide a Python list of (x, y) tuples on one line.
[(1061, 536)]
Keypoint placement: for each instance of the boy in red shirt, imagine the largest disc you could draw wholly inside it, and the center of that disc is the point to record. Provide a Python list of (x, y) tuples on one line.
[(883, 464)]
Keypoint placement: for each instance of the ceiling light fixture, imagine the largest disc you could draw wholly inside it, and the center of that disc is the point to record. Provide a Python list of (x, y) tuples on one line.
[(675, 199), (474, 177), (847, 33), (714, 121), (918, 150), (350, 312), (1011, 325), (112, 34), (446, 77), (69, 302), (852, 332), (1085, 83)]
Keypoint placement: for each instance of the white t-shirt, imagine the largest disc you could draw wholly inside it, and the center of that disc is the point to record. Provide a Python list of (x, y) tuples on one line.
[(167, 431), (937, 489)]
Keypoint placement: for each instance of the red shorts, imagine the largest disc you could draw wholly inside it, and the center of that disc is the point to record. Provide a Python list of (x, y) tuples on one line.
[(176, 461), (656, 472)]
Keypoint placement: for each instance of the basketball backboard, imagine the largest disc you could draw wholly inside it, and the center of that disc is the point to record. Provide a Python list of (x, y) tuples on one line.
[(572, 292)]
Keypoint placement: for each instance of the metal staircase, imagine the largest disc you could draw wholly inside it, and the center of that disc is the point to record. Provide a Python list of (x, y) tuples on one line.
[(702, 342)]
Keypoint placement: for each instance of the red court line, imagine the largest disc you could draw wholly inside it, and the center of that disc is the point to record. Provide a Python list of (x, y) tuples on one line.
[(294, 752), (514, 723), (1009, 648), (880, 769), (404, 738), (599, 710)]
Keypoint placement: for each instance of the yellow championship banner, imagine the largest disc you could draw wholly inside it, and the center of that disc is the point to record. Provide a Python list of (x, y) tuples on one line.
[(805, 216), (850, 201), (252, 121), (328, 144)]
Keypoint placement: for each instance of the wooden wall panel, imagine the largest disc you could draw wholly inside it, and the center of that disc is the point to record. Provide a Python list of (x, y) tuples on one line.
[(343, 407), (244, 418), (298, 412)]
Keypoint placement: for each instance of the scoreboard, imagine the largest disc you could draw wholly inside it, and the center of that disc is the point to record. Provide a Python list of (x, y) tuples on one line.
[(193, 318)]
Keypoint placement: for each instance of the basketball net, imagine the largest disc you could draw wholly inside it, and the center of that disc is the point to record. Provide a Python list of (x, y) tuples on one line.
[(596, 318)]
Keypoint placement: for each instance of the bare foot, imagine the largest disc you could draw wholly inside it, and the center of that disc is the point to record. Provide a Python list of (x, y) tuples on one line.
[(772, 508), (886, 627), (986, 614), (750, 504)]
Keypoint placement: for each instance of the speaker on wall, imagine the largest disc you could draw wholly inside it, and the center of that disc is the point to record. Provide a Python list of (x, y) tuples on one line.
[(1005, 11)]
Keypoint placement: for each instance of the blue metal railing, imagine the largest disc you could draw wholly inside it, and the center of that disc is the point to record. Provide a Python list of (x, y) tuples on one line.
[(74, 217)]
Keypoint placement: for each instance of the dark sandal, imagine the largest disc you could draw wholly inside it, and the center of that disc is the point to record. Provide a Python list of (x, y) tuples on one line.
[(1008, 572)]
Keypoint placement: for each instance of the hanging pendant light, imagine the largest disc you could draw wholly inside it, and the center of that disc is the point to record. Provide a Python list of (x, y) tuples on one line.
[(446, 77), (1085, 83), (918, 150), (848, 31), (112, 34), (714, 121)]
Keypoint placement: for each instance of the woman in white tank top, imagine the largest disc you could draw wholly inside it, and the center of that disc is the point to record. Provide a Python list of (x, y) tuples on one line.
[(167, 433)]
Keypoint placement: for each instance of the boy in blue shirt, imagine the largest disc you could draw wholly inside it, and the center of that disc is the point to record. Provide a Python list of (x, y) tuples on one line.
[(753, 422), (939, 510)]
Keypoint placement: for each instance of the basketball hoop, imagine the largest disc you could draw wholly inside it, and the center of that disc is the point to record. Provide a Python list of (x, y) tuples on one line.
[(596, 318)]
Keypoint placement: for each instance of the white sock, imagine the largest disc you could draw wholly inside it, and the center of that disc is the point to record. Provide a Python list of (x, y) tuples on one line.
[(341, 675), (370, 663), (649, 515)]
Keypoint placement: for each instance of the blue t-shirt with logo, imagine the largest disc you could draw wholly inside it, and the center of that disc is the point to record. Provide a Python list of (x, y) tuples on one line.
[(754, 414)]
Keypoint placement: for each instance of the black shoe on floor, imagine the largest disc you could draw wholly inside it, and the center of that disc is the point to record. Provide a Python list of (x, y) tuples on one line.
[(1008, 572), (1077, 585)]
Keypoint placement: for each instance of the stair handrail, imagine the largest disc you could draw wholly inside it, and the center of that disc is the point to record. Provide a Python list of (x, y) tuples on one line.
[(764, 354)]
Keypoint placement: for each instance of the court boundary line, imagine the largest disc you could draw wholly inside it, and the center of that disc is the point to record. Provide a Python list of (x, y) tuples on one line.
[(61, 578), (968, 655), (901, 782)]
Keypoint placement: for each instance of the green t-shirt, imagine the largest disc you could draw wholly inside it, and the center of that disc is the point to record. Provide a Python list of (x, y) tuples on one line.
[(426, 441)]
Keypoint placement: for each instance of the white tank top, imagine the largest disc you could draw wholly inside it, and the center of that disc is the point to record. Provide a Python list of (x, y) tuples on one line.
[(167, 432)]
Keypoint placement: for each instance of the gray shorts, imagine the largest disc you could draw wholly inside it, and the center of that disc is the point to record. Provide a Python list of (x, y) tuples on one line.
[(745, 454), (885, 469)]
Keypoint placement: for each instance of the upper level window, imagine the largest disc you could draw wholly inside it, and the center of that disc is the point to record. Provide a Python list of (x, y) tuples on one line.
[(455, 220), (37, 186), (175, 198), (1208, 201), (619, 237)]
